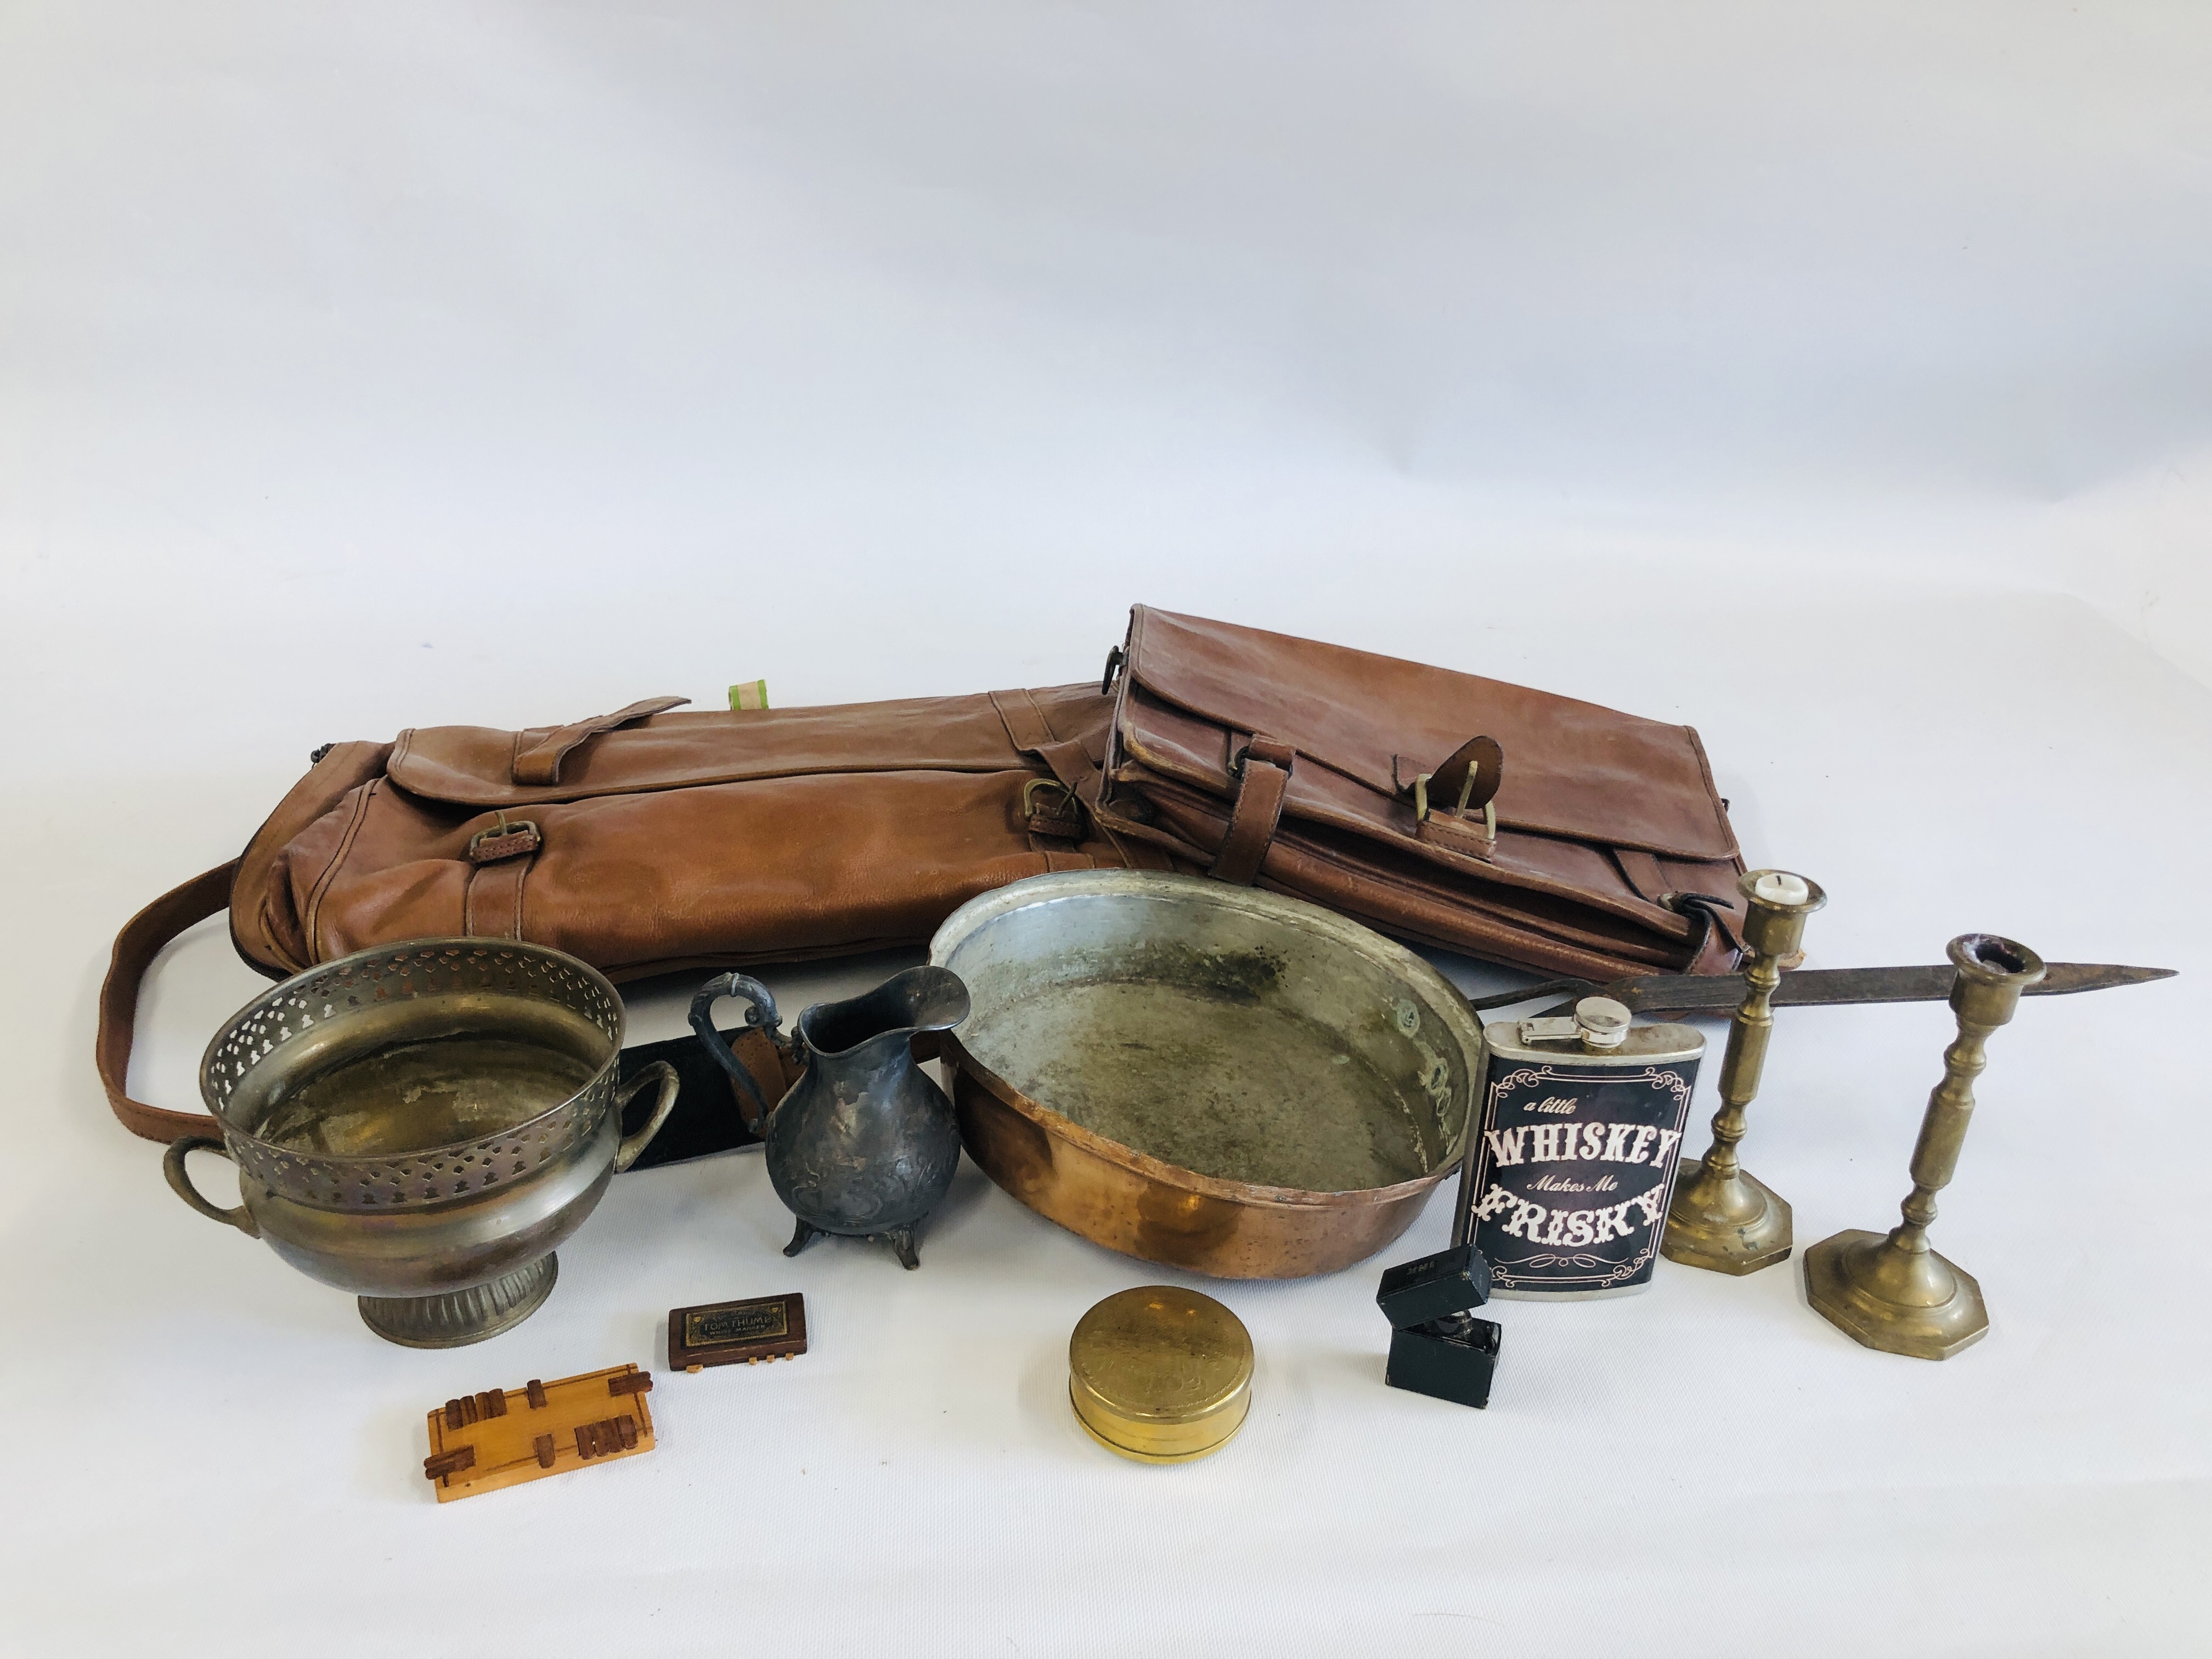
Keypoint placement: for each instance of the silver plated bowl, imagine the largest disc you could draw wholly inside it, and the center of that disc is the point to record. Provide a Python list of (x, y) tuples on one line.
[(421, 1124)]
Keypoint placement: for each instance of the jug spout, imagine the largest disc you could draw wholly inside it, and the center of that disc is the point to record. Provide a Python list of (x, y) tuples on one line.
[(925, 999)]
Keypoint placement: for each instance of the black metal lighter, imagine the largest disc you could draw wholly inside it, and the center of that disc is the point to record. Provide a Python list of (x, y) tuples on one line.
[(1437, 1347)]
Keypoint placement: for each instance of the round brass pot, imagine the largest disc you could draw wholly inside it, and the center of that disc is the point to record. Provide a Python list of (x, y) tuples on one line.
[(421, 1124), (1160, 1374), (1211, 1076)]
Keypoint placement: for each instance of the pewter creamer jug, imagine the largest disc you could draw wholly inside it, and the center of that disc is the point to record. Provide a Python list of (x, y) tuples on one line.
[(865, 1144)]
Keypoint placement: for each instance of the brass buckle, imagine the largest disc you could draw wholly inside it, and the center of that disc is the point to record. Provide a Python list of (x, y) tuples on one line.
[(485, 846), (1465, 792), (1029, 789)]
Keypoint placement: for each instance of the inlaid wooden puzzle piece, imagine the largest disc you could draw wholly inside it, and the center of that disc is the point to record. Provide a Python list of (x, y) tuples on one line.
[(480, 1443)]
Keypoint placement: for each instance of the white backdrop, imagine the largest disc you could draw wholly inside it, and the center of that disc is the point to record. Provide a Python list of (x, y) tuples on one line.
[(1840, 385)]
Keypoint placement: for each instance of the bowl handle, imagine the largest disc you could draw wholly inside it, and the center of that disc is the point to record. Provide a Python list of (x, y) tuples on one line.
[(173, 1167), (634, 1145)]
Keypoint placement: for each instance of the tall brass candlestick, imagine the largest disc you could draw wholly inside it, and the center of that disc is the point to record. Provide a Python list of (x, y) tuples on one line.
[(1895, 1293), (1721, 1218)]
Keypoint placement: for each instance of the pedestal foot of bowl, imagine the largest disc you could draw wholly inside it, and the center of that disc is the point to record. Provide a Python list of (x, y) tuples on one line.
[(456, 1318)]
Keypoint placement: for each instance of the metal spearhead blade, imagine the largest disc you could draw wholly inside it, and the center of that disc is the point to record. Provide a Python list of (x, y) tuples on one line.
[(1807, 987)]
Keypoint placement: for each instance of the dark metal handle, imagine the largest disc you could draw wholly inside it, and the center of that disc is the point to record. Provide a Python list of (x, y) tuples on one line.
[(761, 1014), (173, 1167), (632, 1146)]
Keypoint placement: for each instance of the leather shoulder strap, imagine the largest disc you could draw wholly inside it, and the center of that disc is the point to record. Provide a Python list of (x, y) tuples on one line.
[(538, 764), (136, 947)]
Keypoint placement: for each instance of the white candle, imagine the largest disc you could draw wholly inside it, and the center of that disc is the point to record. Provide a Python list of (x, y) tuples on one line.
[(1780, 887)]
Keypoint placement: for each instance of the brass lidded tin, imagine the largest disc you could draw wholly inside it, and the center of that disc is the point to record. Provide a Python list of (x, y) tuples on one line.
[(1160, 1374)]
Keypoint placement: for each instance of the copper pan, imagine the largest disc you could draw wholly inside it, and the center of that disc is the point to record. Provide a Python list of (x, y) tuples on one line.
[(1211, 1076)]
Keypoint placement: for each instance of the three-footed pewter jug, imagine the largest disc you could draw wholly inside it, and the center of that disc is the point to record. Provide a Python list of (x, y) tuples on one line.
[(865, 1144)]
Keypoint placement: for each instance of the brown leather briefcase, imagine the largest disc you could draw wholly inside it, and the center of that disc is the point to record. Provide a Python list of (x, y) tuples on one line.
[(1510, 824)]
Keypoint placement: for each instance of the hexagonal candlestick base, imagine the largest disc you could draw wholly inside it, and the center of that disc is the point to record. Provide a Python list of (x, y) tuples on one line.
[(1840, 1274), (1703, 1234)]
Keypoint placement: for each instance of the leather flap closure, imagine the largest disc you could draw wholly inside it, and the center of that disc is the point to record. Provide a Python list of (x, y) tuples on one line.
[(538, 761), (1194, 691), (475, 766)]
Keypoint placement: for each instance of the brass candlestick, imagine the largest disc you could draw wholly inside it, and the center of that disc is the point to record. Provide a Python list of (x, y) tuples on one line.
[(1721, 1218), (1894, 1292)]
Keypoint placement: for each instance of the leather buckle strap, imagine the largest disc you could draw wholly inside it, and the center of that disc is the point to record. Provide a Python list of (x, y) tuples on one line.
[(1072, 767), (491, 903), (1472, 774), (500, 858), (1081, 783), (504, 840), (1266, 750), (1059, 819), (538, 766), (1262, 770), (1718, 948)]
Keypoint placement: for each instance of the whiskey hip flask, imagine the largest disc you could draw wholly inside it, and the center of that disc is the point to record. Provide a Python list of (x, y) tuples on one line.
[(1565, 1184)]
